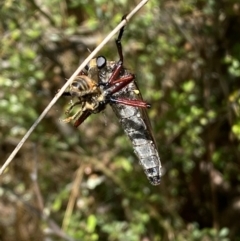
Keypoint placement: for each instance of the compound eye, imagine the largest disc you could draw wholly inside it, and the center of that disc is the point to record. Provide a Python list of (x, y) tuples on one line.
[(101, 62)]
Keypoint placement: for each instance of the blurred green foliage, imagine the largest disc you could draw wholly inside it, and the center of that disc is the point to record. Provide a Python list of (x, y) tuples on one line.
[(86, 184)]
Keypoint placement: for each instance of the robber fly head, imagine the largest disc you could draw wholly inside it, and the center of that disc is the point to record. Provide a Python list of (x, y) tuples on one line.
[(99, 63)]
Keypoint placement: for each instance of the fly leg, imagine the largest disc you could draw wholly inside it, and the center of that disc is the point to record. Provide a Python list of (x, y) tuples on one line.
[(82, 118), (118, 41), (71, 107), (79, 112), (89, 108), (82, 114), (134, 103), (119, 84), (73, 117), (114, 79), (86, 111), (119, 65)]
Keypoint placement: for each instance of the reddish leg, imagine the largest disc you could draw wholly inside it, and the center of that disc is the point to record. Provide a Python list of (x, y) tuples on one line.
[(134, 103), (119, 64), (116, 72), (121, 83), (82, 118)]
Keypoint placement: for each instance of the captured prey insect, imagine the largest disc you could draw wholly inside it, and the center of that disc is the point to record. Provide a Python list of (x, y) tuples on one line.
[(108, 82)]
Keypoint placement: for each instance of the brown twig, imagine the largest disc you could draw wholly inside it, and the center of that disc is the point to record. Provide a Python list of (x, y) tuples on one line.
[(59, 94), (73, 197)]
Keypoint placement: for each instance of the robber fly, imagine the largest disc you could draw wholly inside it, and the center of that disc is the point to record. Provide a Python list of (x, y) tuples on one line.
[(107, 82)]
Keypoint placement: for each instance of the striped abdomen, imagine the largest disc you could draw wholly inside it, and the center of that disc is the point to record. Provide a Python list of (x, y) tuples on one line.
[(83, 85), (139, 132)]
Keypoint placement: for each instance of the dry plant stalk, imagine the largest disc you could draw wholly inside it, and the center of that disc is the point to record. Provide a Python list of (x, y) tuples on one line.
[(58, 95)]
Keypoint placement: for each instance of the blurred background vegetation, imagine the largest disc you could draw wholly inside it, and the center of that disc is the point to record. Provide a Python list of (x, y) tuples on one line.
[(86, 183)]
